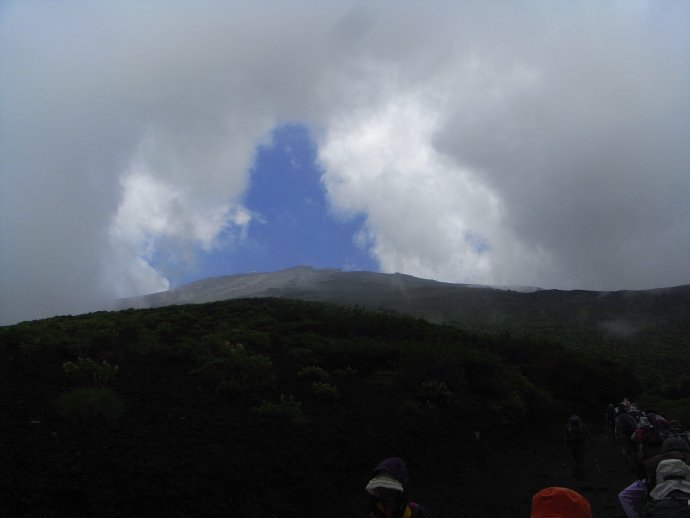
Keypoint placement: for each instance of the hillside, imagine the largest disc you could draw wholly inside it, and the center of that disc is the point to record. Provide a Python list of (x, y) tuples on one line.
[(281, 408), (646, 329)]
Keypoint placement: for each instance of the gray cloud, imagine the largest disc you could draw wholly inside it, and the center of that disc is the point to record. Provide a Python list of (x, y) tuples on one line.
[(545, 143)]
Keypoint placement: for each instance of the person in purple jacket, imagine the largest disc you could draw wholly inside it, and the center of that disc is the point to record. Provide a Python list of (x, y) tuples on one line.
[(389, 490)]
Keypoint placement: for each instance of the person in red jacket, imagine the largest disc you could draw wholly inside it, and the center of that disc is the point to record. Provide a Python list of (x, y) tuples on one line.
[(389, 490)]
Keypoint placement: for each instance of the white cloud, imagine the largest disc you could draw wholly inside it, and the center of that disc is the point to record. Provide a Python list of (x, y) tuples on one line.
[(534, 143)]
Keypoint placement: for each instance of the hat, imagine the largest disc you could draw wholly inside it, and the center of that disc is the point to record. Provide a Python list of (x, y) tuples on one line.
[(675, 444), (671, 475), (560, 502), (384, 480)]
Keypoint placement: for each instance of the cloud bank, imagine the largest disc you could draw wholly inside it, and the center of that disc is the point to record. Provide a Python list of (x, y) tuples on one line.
[(539, 143)]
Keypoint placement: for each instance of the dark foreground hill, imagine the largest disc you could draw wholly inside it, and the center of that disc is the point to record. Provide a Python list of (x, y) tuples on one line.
[(642, 328), (269, 407)]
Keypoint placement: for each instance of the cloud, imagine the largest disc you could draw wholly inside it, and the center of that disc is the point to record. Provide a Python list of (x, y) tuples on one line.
[(541, 143)]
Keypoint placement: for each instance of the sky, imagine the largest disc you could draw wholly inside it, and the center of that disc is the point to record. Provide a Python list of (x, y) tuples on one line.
[(146, 144)]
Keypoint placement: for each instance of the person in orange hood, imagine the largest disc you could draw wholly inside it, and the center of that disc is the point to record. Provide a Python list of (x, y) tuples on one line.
[(560, 502)]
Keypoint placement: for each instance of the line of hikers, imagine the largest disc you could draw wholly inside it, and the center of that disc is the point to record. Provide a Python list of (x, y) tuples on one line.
[(655, 450)]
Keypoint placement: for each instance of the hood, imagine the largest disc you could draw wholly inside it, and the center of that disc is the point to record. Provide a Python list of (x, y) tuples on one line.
[(553, 502), (397, 469), (671, 474)]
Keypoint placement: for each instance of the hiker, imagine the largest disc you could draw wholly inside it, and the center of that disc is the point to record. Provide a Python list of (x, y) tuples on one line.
[(389, 490), (640, 440), (659, 422), (671, 496), (576, 434), (561, 502), (610, 419), (673, 448), (625, 426), (631, 495)]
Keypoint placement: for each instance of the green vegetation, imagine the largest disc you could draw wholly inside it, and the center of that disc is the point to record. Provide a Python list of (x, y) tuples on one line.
[(86, 370), (325, 391), (247, 346), (434, 392), (286, 409), (313, 372), (226, 399), (236, 371), (90, 406)]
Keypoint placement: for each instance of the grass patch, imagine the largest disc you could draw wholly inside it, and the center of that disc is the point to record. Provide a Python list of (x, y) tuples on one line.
[(91, 405)]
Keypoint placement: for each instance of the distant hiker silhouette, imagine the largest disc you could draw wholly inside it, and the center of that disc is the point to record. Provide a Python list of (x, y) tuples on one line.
[(625, 426), (576, 436), (389, 490), (560, 502)]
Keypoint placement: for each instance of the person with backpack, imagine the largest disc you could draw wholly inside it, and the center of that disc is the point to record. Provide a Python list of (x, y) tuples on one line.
[(673, 448), (658, 421), (629, 498), (670, 498), (625, 426), (389, 490), (610, 419), (641, 443), (576, 435)]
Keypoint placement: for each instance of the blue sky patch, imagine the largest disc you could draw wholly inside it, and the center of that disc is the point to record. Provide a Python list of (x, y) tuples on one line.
[(292, 222)]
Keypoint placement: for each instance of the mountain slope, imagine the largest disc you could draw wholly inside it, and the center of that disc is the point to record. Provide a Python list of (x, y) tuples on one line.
[(638, 326), (270, 407)]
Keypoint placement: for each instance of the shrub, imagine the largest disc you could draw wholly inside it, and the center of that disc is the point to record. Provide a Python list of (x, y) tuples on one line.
[(287, 409), (237, 372), (434, 392), (92, 405), (313, 373), (302, 356), (86, 370), (410, 408), (347, 371), (325, 391), (383, 377)]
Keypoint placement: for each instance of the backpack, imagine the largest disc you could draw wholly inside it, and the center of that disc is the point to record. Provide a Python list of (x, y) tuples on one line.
[(626, 424), (668, 508), (654, 436)]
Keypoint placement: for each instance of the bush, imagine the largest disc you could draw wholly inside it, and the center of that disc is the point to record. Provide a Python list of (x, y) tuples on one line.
[(325, 391), (347, 371), (410, 409), (434, 392), (92, 405), (237, 372), (287, 409), (313, 373), (382, 377), (86, 370), (302, 356)]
